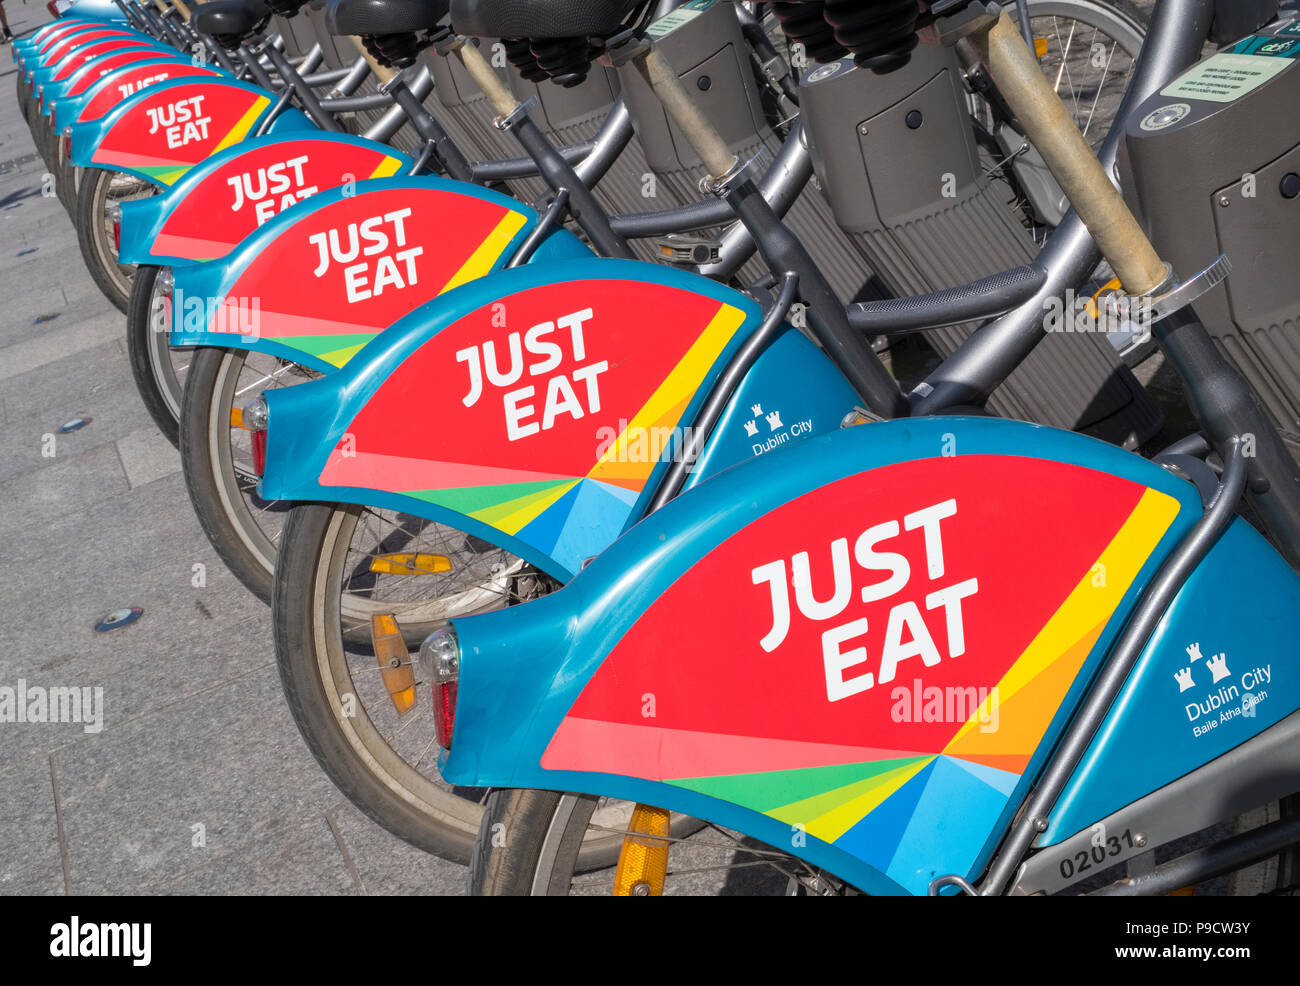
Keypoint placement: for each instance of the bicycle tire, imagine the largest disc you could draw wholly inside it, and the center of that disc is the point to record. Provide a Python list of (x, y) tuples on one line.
[(160, 389)]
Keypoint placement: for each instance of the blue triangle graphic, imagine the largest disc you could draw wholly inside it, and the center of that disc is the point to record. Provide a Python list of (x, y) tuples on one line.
[(875, 837), (999, 780), (950, 822), (544, 529)]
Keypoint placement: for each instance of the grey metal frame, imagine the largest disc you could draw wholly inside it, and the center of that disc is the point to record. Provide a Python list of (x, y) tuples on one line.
[(1174, 40), (1150, 608), (1263, 769)]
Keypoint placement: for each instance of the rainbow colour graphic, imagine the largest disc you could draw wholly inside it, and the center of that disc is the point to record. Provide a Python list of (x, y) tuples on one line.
[(913, 801)]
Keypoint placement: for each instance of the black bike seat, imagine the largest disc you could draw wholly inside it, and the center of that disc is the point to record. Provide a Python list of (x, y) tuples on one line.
[(379, 17), (229, 20), (540, 18), (285, 8)]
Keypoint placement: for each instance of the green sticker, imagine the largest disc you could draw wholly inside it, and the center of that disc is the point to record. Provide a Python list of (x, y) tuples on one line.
[(1225, 77), (1268, 47), (669, 23)]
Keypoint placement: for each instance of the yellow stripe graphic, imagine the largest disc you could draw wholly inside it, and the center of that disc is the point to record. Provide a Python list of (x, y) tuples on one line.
[(244, 125), (1086, 608), (513, 515), (337, 357), (830, 825), (388, 166), (665, 405), (481, 260)]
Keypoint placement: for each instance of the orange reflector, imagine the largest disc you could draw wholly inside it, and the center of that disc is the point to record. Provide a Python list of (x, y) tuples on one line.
[(1040, 47), (1093, 305), (410, 564), (236, 417), (394, 661), (643, 860), (1183, 892)]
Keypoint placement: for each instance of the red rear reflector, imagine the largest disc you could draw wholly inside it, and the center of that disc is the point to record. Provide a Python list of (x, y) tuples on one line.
[(259, 452), (67, 148), (444, 712)]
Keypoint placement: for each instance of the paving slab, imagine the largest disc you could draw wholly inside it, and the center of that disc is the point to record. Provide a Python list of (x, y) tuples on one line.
[(300, 859), (228, 759), (94, 383), (146, 456), (39, 498), (30, 857), (384, 864)]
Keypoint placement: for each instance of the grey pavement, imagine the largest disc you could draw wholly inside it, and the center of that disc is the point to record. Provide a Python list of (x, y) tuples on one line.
[(198, 782)]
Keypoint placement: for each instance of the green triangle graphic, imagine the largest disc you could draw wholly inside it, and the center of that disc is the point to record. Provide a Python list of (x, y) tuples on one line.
[(820, 804), (771, 789), (323, 344), (470, 499)]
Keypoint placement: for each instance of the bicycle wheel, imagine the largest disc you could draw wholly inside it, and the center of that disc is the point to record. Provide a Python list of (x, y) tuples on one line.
[(97, 233), (218, 461), (66, 179), (1088, 49), (528, 841), (158, 368), (342, 566)]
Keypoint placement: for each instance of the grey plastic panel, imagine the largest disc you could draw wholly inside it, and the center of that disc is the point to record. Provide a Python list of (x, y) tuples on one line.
[(1256, 773), (897, 161), (336, 52), (711, 57), (297, 41), (568, 116), (713, 61), (1211, 182)]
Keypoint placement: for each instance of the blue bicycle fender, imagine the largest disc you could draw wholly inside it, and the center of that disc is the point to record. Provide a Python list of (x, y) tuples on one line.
[(221, 201), (160, 132), (280, 292), (66, 110), (861, 648), (1218, 670), (45, 76), (553, 464)]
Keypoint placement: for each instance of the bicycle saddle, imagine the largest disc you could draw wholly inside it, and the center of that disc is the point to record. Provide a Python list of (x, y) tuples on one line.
[(229, 21), (285, 8), (381, 17), (540, 18), (880, 35)]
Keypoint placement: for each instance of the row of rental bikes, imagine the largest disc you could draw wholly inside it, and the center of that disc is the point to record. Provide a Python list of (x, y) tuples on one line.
[(695, 447)]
